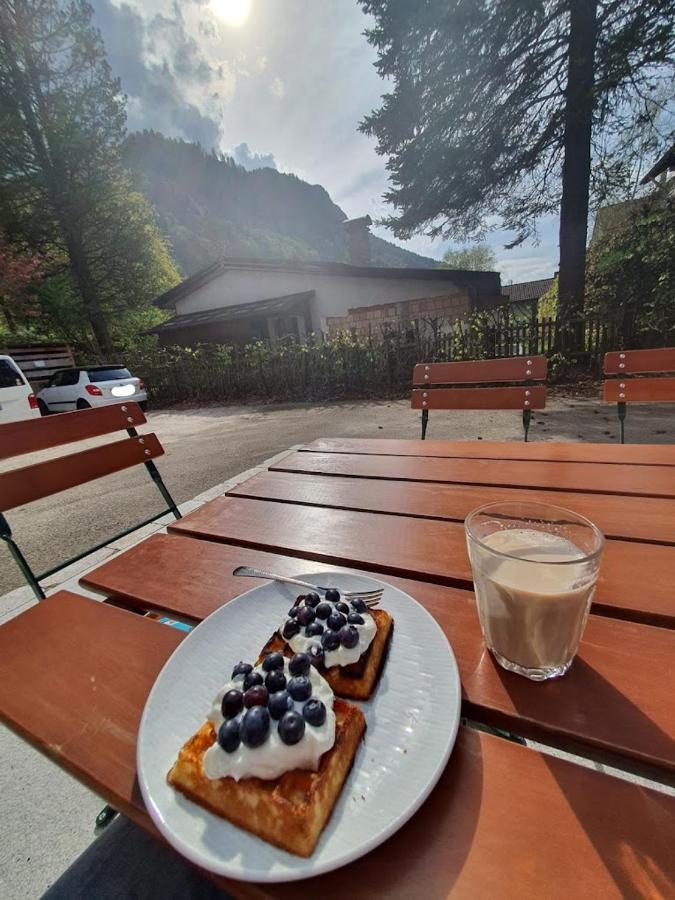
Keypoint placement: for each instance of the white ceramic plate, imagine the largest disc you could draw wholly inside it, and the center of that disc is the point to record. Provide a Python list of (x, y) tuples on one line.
[(412, 725)]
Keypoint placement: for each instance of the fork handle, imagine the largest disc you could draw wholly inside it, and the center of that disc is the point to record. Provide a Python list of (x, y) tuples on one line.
[(248, 572)]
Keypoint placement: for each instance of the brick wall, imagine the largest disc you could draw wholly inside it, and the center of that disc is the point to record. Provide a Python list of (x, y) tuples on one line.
[(365, 320)]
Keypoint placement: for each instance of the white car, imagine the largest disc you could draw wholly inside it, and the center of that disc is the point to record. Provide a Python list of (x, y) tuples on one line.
[(70, 389), (17, 400)]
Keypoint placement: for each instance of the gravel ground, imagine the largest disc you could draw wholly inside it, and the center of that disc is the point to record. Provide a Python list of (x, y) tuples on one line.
[(207, 446)]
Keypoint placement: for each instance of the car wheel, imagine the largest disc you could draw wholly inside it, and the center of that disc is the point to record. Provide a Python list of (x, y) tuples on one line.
[(82, 404), (44, 409)]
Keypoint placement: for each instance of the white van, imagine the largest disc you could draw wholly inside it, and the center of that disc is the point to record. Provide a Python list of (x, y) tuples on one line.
[(17, 400)]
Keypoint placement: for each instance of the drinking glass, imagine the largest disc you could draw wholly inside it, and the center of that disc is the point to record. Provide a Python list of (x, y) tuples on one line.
[(535, 567)]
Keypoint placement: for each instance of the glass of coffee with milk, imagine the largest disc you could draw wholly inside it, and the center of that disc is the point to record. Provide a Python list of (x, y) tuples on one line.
[(535, 567)]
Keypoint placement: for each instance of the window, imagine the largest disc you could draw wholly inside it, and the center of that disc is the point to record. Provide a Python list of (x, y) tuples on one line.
[(108, 374), (9, 374), (70, 376)]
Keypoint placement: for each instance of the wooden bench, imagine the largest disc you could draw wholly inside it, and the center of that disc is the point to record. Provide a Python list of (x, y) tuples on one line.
[(443, 386), (42, 479), (625, 388)]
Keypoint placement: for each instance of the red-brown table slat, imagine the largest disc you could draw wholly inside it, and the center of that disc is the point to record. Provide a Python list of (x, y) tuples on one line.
[(654, 481), (637, 518), (611, 684), (635, 579), (636, 454), (503, 820)]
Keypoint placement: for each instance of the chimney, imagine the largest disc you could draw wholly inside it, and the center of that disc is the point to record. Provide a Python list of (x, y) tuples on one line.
[(358, 237)]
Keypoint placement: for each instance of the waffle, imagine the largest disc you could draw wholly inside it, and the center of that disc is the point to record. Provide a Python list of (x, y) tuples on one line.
[(358, 681), (290, 811)]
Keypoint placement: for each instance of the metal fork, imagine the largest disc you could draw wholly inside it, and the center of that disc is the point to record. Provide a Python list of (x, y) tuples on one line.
[(370, 598)]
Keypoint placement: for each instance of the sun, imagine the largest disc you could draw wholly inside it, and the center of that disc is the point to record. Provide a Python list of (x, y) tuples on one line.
[(232, 12)]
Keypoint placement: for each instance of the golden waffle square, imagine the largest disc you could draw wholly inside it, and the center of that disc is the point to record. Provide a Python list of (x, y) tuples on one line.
[(290, 811), (357, 681)]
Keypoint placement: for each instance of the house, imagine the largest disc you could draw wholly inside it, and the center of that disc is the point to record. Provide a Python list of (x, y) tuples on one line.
[(523, 297), (241, 300), (662, 166)]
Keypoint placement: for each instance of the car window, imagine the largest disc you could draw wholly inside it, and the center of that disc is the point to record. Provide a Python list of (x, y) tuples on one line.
[(9, 374), (111, 374), (71, 376)]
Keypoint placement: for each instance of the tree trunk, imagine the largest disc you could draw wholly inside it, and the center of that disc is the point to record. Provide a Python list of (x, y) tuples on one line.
[(576, 171)]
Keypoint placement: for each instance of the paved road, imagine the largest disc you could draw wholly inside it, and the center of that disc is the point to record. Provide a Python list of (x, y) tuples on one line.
[(207, 446)]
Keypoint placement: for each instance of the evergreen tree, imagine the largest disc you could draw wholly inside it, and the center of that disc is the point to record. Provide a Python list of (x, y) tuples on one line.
[(63, 190), (499, 106)]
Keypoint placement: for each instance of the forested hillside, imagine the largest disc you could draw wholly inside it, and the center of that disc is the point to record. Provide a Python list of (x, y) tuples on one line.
[(208, 207)]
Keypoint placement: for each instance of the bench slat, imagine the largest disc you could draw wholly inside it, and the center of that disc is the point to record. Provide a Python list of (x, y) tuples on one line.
[(638, 361), (479, 398), (20, 486), (17, 438), (513, 368), (637, 390), (635, 579), (503, 820)]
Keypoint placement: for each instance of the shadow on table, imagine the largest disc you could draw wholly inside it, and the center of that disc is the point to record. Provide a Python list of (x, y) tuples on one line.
[(636, 848)]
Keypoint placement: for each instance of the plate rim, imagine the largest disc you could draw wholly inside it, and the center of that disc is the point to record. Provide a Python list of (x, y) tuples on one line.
[(365, 847)]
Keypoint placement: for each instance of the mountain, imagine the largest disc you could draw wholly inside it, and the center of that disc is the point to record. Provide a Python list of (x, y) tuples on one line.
[(208, 207)]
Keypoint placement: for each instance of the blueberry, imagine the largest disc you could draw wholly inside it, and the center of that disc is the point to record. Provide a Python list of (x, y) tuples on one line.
[(306, 615), (252, 679), (291, 727), (291, 628), (258, 695), (323, 610), (293, 611), (336, 620), (280, 703), (355, 619), (315, 653), (349, 636), (358, 605), (312, 599), (232, 704), (332, 595), (342, 607), (314, 629), (275, 681), (241, 668), (255, 726), (314, 712), (299, 665), (330, 640), (228, 735), (273, 661), (300, 687)]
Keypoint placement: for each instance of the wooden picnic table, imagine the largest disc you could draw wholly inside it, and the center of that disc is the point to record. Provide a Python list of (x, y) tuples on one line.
[(505, 819)]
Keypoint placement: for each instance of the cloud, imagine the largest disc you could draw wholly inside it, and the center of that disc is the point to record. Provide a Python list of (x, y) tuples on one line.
[(243, 157)]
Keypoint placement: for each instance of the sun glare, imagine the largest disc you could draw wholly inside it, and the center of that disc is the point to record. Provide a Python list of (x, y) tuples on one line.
[(232, 12)]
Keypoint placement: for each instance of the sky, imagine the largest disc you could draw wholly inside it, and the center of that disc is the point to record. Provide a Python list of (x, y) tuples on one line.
[(280, 83)]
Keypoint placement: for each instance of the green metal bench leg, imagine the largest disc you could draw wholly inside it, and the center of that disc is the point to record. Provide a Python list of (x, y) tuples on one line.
[(621, 412), (527, 418), (105, 817), (20, 559), (425, 422)]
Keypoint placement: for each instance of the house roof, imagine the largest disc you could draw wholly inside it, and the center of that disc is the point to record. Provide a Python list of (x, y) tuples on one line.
[(526, 290), (485, 282), (667, 161), (267, 307)]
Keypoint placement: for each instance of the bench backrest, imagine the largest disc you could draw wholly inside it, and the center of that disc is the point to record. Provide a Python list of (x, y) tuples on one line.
[(435, 384), (624, 364), (41, 479)]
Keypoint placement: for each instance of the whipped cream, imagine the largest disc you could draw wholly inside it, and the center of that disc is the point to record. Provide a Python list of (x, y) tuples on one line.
[(342, 656), (272, 758)]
